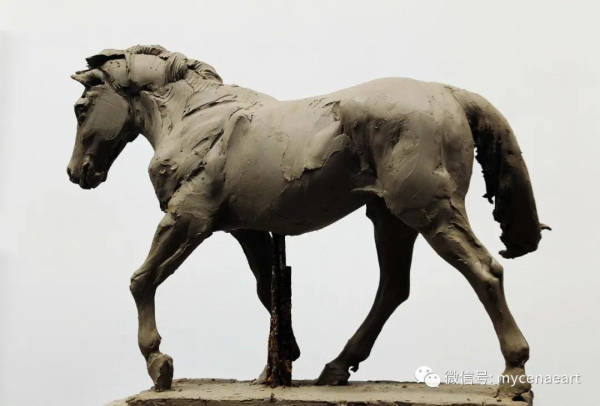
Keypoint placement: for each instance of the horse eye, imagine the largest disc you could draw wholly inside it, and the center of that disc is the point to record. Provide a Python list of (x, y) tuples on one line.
[(94, 81), (87, 141), (79, 108)]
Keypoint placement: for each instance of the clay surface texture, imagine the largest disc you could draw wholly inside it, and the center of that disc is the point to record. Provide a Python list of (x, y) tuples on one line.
[(228, 392), (232, 159)]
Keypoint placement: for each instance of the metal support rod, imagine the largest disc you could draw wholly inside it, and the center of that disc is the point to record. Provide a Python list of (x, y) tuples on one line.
[(279, 364)]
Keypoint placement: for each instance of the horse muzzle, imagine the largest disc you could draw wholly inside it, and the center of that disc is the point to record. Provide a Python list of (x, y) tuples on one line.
[(86, 176)]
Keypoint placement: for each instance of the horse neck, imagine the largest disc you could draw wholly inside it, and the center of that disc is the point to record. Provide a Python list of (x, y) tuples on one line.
[(159, 112)]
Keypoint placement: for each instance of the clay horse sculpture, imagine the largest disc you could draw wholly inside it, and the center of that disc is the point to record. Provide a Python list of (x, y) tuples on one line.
[(232, 159)]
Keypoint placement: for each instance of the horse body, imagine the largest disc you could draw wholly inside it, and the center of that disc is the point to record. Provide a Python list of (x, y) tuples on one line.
[(232, 159), (297, 166)]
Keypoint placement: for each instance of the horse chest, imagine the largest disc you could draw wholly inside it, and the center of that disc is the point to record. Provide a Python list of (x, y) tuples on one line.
[(168, 170)]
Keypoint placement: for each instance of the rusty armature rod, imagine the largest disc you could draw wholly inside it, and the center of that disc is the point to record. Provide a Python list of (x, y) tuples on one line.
[(279, 364)]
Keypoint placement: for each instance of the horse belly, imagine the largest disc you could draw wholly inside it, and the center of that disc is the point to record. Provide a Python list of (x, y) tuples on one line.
[(319, 197), (306, 191)]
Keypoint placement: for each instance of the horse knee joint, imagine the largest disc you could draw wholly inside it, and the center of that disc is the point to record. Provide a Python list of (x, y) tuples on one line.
[(138, 285), (491, 276), (496, 269), (490, 283)]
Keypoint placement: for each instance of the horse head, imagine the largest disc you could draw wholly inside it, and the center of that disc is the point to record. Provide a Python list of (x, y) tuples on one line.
[(106, 111), (105, 122)]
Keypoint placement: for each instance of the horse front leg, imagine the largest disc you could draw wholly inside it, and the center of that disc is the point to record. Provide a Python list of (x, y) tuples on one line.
[(258, 248), (176, 237)]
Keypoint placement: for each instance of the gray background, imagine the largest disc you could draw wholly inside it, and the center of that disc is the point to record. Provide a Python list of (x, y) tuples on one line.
[(67, 321)]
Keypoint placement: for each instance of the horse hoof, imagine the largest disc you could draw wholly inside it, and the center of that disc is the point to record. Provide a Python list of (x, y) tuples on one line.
[(514, 384), (334, 373), (262, 378), (160, 368)]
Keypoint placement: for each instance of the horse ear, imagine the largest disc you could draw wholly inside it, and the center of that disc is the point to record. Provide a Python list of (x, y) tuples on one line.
[(98, 60), (80, 77), (88, 78)]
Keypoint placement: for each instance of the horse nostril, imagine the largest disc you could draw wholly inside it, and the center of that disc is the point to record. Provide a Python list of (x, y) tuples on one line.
[(70, 174), (72, 177), (85, 167)]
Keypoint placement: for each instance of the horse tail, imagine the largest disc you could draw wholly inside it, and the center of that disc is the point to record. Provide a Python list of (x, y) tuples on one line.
[(505, 174)]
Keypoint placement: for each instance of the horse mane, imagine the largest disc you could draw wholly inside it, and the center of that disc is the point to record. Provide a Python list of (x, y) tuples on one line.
[(178, 66)]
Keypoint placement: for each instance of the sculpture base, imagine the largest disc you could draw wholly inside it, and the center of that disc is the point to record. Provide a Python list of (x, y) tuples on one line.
[(193, 392)]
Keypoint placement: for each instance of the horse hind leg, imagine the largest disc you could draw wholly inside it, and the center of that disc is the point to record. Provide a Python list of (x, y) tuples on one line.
[(394, 242), (447, 230)]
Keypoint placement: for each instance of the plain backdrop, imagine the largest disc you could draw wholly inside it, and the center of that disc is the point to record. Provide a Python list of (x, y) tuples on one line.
[(68, 324)]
